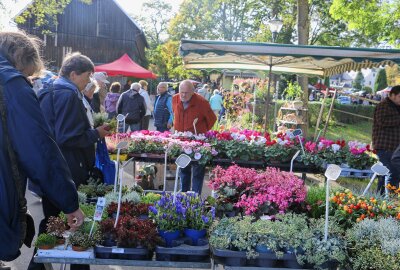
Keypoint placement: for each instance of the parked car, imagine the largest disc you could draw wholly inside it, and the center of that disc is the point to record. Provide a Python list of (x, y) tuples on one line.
[(344, 100)]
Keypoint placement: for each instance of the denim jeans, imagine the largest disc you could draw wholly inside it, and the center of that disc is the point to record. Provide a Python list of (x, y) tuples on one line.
[(133, 127), (385, 157), (198, 177)]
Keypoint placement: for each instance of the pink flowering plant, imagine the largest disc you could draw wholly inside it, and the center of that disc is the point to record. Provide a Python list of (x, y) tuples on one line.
[(310, 156), (332, 152), (255, 193), (359, 155), (197, 150), (230, 184), (280, 150)]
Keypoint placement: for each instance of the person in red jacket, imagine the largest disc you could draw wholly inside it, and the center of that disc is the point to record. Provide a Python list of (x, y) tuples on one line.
[(187, 106)]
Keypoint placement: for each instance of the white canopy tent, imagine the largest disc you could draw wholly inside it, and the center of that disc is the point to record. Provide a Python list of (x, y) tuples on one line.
[(319, 61)]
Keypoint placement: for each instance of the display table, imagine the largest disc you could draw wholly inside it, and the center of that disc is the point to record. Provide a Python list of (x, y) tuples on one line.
[(168, 264)]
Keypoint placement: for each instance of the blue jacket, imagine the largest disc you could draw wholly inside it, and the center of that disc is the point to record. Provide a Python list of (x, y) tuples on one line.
[(63, 109), (216, 102), (163, 110), (37, 155)]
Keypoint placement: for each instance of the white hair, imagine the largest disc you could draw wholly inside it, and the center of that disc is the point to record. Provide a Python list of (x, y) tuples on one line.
[(136, 86)]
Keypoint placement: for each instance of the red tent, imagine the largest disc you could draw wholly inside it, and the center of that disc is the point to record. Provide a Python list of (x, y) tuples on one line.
[(125, 66)]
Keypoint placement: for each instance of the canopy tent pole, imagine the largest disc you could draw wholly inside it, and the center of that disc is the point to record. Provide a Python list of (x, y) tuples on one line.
[(321, 112), (329, 113), (267, 102), (254, 108)]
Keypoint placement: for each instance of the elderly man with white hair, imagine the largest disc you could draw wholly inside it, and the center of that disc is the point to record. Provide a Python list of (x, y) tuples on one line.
[(163, 115), (132, 105)]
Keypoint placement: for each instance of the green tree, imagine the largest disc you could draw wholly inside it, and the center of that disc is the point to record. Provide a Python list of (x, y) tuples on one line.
[(358, 81), (392, 72), (154, 19), (45, 12), (212, 19), (166, 61), (377, 20), (381, 80)]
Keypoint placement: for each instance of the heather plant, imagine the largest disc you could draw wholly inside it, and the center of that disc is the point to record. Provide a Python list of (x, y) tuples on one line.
[(131, 196), (375, 244), (267, 192)]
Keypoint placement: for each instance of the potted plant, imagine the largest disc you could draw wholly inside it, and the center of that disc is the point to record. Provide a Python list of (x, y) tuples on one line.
[(374, 244), (169, 217), (109, 232), (222, 236), (320, 253), (95, 188), (45, 241), (150, 198), (141, 210), (198, 217), (126, 209), (81, 241), (281, 151), (135, 233), (56, 226), (359, 156), (146, 176)]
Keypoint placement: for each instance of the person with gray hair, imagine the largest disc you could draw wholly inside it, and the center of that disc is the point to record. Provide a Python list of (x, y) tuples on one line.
[(27, 147), (163, 115), (133, 106), (62, 105)]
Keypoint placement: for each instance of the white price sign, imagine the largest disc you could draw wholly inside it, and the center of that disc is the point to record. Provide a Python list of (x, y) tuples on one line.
[(101, 202)]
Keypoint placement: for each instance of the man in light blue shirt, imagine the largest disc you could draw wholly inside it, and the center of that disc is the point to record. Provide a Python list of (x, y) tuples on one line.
[(163, 115)]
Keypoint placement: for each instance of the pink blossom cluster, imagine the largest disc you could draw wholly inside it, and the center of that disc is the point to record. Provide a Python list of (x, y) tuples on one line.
[(234, 177), (357, 148), (273, 187)]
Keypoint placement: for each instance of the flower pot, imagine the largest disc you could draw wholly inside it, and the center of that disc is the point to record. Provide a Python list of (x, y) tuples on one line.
[(60, 241), (79, 248), (46, 247), (235, 261), (266, 258), (195, 235), (109, 242), (169, 236)]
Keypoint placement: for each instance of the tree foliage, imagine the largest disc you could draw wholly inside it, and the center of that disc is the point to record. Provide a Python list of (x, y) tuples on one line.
[(381, 81), (358, 81), (167, 63), (392, 75), (212, 19), (377, 20), (45, 12), (154, 21)]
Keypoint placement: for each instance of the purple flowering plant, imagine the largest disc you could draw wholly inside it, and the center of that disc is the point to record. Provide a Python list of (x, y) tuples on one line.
[(169, 216), (198, 215), (189, 211)]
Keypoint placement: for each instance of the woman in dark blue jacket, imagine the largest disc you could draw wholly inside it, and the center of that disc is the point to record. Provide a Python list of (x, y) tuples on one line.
[(37, 155), (65, 113)]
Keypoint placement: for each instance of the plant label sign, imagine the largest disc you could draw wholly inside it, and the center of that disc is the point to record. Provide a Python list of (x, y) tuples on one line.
[(333, 172), (297, 132), (101, 202), (379, 169)]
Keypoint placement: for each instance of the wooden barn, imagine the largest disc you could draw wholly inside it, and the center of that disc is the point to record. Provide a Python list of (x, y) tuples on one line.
[(102, 30)]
